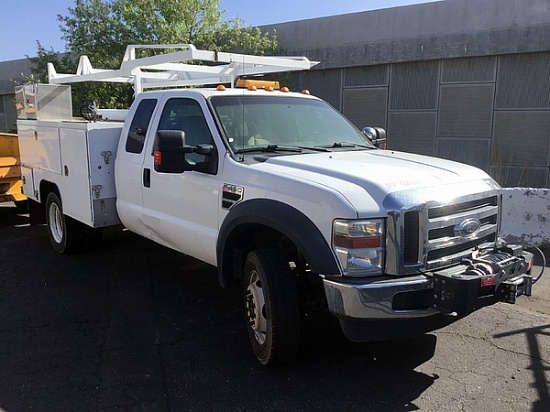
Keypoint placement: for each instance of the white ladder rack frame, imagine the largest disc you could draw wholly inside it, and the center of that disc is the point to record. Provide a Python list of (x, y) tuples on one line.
[(167, 70)]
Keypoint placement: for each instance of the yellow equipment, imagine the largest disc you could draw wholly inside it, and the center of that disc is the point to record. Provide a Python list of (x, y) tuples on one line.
[(10, 171)]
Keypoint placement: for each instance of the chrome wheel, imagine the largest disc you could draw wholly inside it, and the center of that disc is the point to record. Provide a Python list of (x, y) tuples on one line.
[(56, 223), (255, 308), (271, 306)]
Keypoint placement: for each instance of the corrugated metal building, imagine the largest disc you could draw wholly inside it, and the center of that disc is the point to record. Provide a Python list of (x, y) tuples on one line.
[(467, 80)]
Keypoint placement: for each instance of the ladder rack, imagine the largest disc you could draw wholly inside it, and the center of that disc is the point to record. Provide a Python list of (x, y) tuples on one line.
[(173, 69)]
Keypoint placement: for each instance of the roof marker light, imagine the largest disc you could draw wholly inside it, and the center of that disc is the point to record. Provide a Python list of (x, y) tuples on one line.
[(285, 89), (220, 88), (306, 91)]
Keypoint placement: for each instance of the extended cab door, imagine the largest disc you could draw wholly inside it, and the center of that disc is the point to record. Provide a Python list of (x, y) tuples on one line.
[(180, 208)]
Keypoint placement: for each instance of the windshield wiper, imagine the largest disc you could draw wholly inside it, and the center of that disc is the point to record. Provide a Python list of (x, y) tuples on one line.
[(339, 145), (271, 148), (315, 148)]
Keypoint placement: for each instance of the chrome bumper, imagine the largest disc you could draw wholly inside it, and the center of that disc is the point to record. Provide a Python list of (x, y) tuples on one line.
[(373, 300)]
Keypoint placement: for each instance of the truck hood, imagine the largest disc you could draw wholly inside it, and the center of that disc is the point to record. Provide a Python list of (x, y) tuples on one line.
[(376, 173)]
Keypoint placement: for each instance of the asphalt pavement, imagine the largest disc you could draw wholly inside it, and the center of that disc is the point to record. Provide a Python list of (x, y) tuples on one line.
[(132, 326)]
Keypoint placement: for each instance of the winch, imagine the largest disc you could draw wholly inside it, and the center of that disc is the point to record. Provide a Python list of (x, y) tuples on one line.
[(500, 275)]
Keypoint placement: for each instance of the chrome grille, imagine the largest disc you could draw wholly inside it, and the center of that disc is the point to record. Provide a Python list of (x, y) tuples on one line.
[(444, 245), (420, 230)]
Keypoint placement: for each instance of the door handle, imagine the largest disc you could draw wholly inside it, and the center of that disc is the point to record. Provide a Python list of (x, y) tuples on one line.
[(146, 177)]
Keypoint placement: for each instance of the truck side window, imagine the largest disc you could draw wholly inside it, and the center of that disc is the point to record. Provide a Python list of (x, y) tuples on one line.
[(186, 114), (139, 125)]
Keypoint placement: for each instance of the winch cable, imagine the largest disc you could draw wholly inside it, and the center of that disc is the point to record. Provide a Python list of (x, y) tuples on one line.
[(543, 261)]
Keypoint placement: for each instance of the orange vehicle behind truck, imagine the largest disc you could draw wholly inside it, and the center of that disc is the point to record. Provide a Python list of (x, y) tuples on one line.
[(10, 171)]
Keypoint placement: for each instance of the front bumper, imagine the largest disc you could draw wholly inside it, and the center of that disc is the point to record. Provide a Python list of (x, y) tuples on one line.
[(500, 275)]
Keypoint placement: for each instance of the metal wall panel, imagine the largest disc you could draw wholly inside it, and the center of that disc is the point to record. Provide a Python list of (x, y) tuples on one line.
[(412, 132), (514, 176), (475, 152), (521, 139), (414, 86), (466, 111), (326, 84), (366, 76), (474, 69), (366, 106), (523, 81)]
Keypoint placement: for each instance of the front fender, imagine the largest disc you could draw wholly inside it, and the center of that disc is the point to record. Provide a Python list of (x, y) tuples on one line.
[(286, 220)]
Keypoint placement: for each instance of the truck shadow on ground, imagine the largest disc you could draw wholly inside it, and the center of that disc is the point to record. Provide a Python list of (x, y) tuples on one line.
[(136, 326)]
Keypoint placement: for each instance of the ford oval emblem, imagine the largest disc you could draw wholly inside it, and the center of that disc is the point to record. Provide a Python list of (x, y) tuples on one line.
[(468, 228)]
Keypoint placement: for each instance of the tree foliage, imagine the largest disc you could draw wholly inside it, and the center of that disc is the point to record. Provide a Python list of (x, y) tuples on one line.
[(101, 29)]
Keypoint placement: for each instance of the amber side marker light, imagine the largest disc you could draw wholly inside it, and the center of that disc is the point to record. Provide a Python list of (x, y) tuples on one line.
[(356, 243), (157, 158)]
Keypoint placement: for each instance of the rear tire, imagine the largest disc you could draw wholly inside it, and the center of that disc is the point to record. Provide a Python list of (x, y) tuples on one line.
[(271, 306), (66, 234)]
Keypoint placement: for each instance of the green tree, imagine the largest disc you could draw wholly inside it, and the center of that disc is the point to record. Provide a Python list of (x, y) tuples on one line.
[(101, 29)]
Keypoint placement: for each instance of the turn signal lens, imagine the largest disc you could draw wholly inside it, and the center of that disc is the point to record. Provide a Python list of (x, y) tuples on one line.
[(157, 158), (356, 243)]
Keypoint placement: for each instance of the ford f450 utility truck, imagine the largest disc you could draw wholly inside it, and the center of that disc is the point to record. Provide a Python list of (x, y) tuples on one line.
[(278, 191)]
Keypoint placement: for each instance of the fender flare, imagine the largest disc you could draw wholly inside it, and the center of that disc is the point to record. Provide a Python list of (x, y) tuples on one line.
[(285, 219)]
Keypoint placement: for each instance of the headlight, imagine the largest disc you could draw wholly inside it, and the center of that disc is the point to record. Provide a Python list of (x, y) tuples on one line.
[(360, 246)]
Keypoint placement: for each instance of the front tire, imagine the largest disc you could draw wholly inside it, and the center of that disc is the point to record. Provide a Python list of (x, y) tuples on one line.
[(64, 232), (271, 306)]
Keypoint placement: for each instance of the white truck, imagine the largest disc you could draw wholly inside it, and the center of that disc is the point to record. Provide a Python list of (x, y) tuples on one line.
[(278, 191)]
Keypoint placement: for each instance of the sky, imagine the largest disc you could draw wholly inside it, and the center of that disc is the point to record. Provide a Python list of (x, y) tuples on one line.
[(23, 23)]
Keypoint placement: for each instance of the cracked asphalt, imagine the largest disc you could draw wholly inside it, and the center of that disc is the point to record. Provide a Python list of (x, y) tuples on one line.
[(132, 326)]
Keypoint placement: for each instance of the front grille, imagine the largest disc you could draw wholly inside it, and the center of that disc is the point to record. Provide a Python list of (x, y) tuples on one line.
[(437, 235), (446, 244)]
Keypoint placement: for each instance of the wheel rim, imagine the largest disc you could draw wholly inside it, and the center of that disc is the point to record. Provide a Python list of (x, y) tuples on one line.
[(255, 308), (56, 222)]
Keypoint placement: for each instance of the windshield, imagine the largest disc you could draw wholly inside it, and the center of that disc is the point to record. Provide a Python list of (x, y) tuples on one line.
[(281, 123)]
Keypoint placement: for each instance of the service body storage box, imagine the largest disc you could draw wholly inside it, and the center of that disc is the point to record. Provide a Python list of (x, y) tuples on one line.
[(76, 156)]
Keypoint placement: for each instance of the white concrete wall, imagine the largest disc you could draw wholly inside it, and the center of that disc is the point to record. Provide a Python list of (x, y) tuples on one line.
[(526, 216)]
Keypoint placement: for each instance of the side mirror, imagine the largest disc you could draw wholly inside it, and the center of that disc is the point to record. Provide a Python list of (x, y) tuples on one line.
[(376, 135), (169, 152)]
